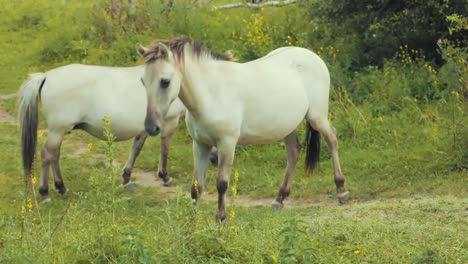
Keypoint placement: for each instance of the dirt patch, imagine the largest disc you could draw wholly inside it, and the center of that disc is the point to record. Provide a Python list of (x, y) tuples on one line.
[(79, 151), (6, 118), (7, 96), (148, 179)]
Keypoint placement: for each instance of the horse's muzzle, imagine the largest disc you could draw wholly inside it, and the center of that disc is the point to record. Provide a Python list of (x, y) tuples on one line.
[(152, 124), (153, 130)]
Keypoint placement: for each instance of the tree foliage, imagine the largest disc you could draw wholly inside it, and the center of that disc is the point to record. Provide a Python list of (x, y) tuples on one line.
[(382, 26)]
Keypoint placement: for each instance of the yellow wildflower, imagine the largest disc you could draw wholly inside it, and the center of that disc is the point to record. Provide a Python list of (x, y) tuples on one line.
[(33, 180), (40, 133), (234, 190), (357, 252), (232, 213), (90, 146), (195, 187), (29, 204), (23, 210)]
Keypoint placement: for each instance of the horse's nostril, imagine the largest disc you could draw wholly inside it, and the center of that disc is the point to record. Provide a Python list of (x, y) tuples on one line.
[(153, 130)]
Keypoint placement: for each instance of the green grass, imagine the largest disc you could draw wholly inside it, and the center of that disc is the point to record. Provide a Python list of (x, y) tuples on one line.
[(148, 228), (394, 217), (403, 155)]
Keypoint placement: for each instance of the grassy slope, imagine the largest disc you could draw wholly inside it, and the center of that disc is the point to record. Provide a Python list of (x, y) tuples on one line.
[(407, 206), (399, 223)]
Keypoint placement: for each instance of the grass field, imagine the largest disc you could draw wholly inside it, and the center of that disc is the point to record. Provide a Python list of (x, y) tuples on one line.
[(397, 215), (404, 155)]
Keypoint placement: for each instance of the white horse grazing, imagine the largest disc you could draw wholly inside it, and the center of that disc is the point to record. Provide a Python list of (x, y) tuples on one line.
[(78, 97), (231, 103)]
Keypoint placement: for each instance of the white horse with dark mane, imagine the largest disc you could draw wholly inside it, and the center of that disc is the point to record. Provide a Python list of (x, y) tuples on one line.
[(230, 103), (78, 97)]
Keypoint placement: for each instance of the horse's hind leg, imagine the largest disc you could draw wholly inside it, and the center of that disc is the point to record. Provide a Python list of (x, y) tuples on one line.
[(162, 171), (138, 143), (293, 148), (50, 155), (200, 162), (329, 132)]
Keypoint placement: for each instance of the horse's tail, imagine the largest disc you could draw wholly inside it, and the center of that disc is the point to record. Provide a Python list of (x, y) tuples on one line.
[(312, 144), (28, 118)]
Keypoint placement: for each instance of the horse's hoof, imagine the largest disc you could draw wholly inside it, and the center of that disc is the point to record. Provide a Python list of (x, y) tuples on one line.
[(275, 205), (167, 182), (45, 199), (220, 218), (130, 186), (60, 187), (126, 176), (344, 198)]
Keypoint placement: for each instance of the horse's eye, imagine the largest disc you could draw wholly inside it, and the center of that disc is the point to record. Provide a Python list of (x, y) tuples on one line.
[(164, 83)]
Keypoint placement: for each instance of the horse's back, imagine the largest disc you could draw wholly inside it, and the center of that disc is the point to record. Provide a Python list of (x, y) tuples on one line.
[(308, 67), (78, 93), (298, 59), (278, 91)]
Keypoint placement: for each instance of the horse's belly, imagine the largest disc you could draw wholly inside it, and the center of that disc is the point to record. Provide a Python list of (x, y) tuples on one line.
[(120, 130), (127, 126), (126, 121), (269, 132), (272, 120)]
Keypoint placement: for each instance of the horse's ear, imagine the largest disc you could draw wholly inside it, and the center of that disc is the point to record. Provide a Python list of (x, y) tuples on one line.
[(163, 51), (141, 50)]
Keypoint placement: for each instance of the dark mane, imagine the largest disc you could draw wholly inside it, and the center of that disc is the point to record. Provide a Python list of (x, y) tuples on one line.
[(177, 46)]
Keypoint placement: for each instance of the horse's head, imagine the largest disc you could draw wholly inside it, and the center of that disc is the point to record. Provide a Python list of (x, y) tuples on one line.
[(162, 81)]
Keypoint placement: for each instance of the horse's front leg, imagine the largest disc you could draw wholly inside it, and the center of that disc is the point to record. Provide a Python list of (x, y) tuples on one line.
[(200, 162), (170, 126), (162, 171), (138, 143), (226, 151)]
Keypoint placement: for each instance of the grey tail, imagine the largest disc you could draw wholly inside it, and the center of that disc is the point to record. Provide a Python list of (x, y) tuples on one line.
[(312, 144), (28, 118)]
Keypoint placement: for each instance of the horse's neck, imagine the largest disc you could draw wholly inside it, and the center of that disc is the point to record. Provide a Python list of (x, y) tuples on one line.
[(192, 92)]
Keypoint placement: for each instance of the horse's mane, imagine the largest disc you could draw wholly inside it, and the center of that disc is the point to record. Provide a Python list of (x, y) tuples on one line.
[(177, 46)]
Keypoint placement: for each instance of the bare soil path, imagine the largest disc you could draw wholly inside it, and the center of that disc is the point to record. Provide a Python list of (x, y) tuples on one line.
[(148, 179), (4, 116)]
